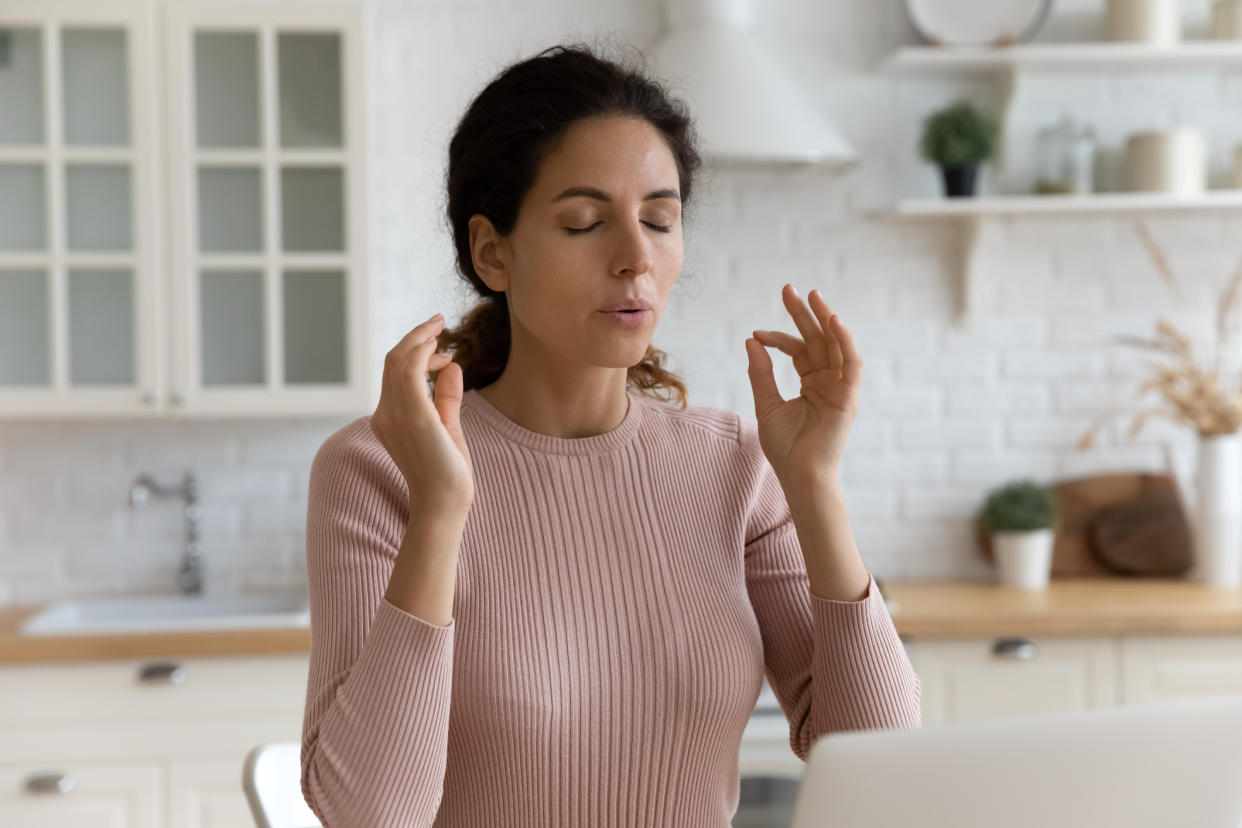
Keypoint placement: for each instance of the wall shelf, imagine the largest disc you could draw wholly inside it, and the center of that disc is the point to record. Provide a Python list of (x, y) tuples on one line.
[(974, 218), (1072, 56)]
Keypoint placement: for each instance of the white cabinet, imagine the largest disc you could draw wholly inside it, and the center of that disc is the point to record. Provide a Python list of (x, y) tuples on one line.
[(143, 742), (1011, 676), (980, 678), (1174, 667), (72, 795), (182, 209)]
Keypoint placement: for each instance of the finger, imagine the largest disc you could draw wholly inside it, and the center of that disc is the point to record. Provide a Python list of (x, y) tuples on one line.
[(823, 313), (762, 380), (418, 334), (790, 345), (808, 326), (851, 359)]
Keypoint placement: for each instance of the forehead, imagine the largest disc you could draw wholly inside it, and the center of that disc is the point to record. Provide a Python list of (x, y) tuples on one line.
[(621, 155)]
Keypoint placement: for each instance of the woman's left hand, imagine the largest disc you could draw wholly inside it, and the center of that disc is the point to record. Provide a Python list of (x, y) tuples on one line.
[(804, 437)]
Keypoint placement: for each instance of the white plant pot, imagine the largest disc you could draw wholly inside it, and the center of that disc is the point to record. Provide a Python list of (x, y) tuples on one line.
[(1024, 559)]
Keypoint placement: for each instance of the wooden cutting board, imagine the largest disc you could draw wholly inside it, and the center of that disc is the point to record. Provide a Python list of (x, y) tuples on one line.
[(1128, 523)]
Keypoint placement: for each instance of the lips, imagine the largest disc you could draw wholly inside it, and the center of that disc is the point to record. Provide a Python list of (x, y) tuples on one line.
[(627, 305)]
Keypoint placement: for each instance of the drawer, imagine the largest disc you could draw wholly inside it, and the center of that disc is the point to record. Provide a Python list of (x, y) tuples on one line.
[(111, 795), (1154, 668)]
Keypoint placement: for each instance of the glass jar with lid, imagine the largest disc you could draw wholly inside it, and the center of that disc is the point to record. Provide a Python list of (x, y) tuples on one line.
[(1065, 158)]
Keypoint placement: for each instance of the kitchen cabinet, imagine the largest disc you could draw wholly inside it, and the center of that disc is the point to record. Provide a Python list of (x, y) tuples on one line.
[(182, 209), (141, 742)]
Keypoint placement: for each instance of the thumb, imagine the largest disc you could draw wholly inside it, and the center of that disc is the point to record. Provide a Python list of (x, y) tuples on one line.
[(448, 396), (762, 380)]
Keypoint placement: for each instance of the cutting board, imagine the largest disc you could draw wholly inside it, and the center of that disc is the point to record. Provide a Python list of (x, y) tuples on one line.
[(1128, 523)]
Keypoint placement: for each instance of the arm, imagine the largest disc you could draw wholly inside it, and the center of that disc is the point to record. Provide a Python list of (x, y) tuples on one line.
[(834, 665), (375, 726)]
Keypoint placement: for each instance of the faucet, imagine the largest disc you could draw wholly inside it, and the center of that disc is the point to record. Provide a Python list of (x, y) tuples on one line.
[(189, 576)]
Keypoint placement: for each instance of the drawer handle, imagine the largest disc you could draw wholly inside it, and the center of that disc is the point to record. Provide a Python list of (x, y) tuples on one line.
[(49, 783), (162, 672), (1019, 648)]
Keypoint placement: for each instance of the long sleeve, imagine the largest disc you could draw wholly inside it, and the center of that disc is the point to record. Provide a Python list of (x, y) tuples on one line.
[(375, 727), (833, 665)]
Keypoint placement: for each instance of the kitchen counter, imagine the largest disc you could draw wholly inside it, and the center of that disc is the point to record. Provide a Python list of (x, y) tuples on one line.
[(919, 608)]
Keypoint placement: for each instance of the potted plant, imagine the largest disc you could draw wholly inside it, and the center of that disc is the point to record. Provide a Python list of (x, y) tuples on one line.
[(958, 137), (1020, 516)]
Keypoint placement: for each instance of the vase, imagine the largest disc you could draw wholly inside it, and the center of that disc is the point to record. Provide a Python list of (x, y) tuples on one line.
[(1218, 511), (1024, 559), (959, 179)]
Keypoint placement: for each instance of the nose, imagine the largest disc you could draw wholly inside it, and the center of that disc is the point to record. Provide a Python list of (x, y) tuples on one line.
[(633, 254)]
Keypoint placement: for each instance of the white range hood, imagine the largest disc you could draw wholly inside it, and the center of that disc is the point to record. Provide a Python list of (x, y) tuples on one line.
[(746, 107)]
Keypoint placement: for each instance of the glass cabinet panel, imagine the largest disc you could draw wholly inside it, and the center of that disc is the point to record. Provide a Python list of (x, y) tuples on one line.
[(23, 207), (226, 89), (314, 324), (101, 326), (99, 208), (96, 86), (230, 209), (25, 351), (309, 67), (21, 86), (232, 326), (312, 201)]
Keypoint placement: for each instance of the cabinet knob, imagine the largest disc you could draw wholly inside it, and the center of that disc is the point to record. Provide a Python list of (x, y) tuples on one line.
[(53, 782), (163, 672), (1019, 648)]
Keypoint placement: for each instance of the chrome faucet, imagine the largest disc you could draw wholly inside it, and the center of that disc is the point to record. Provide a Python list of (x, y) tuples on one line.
[(190, 575)]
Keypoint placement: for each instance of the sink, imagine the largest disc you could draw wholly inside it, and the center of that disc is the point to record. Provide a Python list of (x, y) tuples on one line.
[(176, 613)]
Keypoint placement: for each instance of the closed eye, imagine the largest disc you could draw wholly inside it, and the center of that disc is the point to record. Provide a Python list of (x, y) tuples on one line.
[(573, 231)]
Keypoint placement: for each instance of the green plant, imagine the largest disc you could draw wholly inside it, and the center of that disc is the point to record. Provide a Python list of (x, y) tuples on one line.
[(1020, 506), (958, 134)]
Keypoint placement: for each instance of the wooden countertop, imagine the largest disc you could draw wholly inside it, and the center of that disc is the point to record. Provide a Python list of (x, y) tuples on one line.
[(919, 608), (1078, 606)]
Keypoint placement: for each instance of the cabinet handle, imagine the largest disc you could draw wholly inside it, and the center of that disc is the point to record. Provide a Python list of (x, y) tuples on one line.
[(177, 399), (1019, 648), (54, 782), (163, 672), (148, 398)]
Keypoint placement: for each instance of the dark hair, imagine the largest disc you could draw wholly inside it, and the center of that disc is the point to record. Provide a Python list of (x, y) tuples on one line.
[(506, 132)]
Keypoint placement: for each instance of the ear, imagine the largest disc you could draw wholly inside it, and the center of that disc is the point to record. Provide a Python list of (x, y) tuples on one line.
[(489, 253)]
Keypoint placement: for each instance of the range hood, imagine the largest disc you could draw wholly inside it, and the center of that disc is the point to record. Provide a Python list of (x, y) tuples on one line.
[(746, 107)]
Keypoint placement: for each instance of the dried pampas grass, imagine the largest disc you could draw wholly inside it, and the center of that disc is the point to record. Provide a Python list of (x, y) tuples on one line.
[(1191, 395)]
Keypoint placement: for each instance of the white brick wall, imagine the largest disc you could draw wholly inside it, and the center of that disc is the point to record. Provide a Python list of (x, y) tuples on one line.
[(947, 412)]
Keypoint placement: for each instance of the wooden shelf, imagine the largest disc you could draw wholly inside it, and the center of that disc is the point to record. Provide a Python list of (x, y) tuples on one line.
[(1188, 55)]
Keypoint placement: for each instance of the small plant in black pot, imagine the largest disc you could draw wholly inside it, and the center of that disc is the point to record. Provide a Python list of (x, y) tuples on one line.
[(958, 138), (1021, 517)]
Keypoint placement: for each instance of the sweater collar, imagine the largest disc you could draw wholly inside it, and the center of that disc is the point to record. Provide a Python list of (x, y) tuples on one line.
[(604, 443)]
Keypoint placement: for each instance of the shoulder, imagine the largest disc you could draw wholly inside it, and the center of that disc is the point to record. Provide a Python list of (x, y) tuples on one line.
[(353, 456), (720, 427)]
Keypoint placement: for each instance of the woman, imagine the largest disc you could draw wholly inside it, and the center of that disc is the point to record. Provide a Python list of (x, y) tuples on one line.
[(540, 595)]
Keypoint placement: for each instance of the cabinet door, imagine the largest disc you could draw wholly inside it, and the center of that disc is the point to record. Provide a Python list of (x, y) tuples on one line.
[(78, 286), (1154, 668), (207, 793), (266, 159), (72, 796), (972, 679)]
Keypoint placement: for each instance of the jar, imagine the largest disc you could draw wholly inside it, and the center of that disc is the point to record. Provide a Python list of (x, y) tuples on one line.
[(1065, 158)]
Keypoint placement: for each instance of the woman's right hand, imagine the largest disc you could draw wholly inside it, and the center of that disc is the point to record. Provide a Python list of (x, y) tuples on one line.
[(423, 435)]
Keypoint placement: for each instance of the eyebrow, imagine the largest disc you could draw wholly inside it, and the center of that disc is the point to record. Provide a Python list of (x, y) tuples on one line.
[(593, 192)]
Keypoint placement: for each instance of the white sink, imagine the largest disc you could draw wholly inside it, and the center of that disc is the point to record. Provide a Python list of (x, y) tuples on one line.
[(86, 616)]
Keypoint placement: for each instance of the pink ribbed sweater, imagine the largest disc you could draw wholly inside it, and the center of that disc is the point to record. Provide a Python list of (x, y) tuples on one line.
[(619, 599)]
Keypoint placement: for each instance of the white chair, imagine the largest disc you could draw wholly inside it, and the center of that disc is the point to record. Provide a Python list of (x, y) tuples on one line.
[(272, 780)]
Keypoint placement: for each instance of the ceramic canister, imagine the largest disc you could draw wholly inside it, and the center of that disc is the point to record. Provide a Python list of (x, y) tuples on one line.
[(1172, 160), (1226, 20), (1158, 22)]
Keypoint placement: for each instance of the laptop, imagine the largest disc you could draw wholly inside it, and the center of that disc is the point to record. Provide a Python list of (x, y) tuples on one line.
[(1167, 764)]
